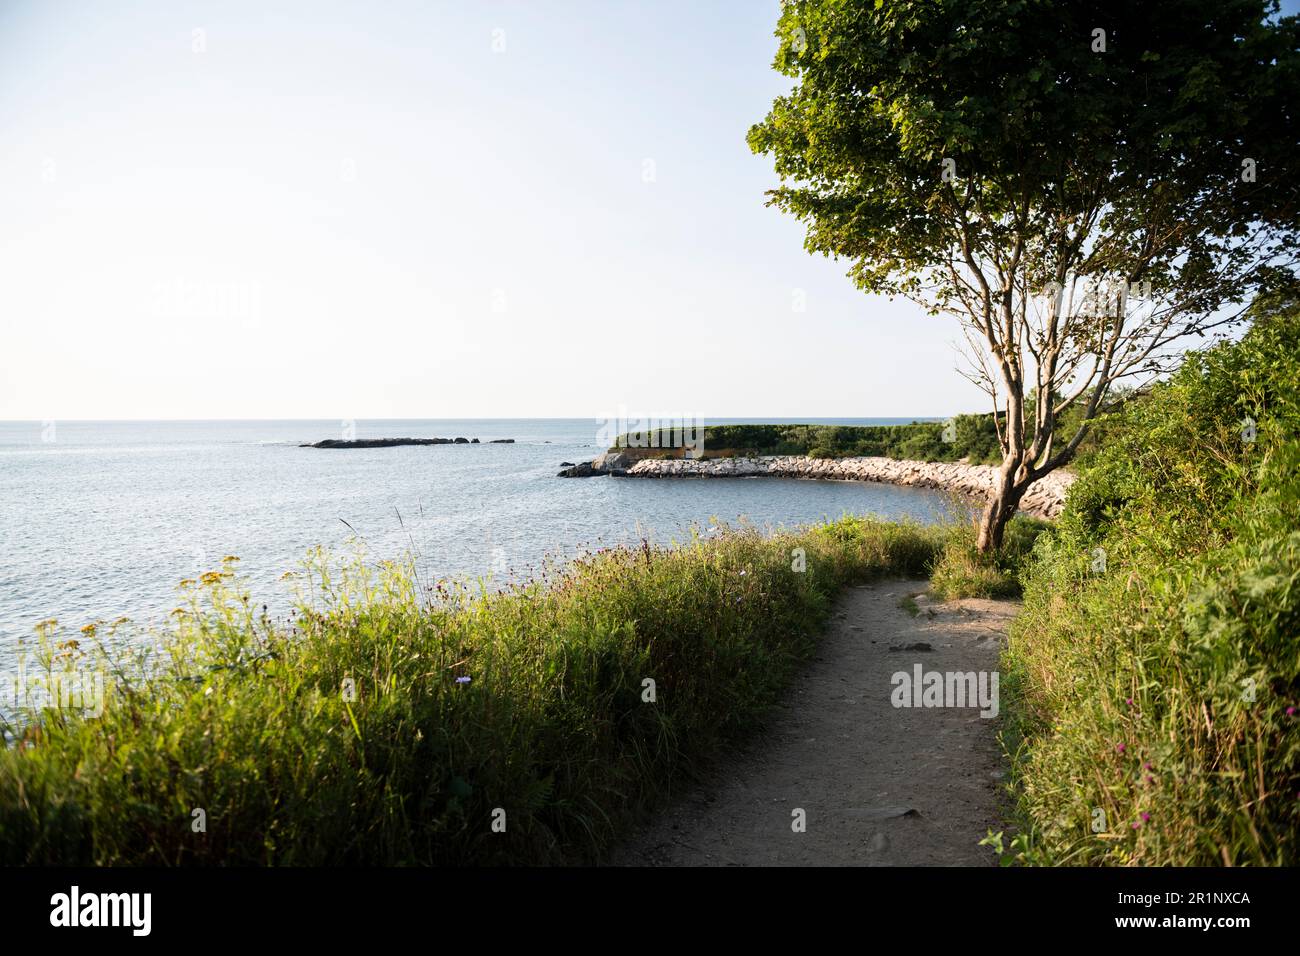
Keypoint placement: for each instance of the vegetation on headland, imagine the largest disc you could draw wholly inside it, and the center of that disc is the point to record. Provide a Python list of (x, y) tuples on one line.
[(1154, 672), (529, 707), (970, 437)]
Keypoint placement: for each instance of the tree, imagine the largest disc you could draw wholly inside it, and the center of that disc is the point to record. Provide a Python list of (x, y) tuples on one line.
[(1082, 183)]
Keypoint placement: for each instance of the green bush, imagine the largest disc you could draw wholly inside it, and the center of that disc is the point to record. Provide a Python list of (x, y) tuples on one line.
[(1154, 668), (974, 437), (530, 701)]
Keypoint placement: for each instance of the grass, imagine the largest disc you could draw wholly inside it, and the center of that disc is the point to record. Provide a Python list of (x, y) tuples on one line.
[(962, 572), (394, 721), (1153, 673)]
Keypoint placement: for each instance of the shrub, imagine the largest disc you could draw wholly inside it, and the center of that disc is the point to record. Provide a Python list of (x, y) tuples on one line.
[(1155, 694)]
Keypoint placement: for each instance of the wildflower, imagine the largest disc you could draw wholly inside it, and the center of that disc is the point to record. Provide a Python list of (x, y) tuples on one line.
[(1129, 701), (1290, 711), (1146, 817), (462, 680), (1119, 748)]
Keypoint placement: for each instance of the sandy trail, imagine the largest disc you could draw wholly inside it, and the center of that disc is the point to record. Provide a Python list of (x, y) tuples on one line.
[(880, 786)]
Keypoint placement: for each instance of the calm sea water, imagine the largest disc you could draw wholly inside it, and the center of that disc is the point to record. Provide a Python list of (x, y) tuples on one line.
[(103, 519)]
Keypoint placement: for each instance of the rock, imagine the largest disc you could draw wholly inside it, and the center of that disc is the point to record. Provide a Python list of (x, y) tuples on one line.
[(612, 461), (566, 464), (502, 441), (375, 442), (392, 442), (918, 646), (614, 464)]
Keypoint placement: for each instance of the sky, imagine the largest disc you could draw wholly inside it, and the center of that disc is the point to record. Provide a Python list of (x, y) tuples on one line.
[(352, 210)]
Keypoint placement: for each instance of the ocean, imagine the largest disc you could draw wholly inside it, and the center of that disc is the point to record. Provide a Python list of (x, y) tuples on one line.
[(100, 520)]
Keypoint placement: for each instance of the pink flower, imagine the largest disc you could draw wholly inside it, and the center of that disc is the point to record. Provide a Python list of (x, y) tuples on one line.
[(1119, 748)]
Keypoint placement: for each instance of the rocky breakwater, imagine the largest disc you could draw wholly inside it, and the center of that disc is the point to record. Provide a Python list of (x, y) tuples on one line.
[(1045, 497)]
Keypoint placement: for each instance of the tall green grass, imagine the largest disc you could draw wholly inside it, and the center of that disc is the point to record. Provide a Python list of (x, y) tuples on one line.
[(961, 571), (532, 702), (1155, 693)]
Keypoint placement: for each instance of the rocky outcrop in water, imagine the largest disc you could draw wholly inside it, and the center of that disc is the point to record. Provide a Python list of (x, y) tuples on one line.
[(391, 442), (615, 464), (1045, 497)]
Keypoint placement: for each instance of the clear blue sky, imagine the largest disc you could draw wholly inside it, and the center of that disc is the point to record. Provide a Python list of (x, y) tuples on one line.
[(421, 210)]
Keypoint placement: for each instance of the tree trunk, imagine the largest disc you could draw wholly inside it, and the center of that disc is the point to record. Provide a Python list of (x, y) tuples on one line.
[(1003, 501)]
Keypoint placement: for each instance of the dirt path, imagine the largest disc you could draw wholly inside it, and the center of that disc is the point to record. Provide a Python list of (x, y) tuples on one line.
[(880, 785)]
